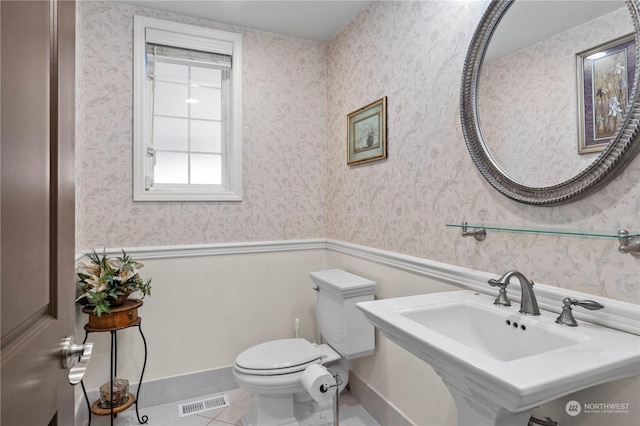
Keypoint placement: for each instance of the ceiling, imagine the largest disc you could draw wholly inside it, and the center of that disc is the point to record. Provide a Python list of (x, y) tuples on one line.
[(528, 22), (318, 20), (321, 20)]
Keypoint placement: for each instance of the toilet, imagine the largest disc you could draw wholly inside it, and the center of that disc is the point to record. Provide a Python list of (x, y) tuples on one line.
[(272, 371)]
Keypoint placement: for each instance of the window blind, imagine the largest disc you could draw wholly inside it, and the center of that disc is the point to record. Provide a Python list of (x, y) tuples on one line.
[(203, 44), (190, 55)]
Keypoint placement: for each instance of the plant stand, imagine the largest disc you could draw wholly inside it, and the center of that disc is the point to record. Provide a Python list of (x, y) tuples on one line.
[(120, 318)]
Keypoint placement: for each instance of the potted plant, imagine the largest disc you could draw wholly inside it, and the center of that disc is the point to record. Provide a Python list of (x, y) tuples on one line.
[(104, 282)]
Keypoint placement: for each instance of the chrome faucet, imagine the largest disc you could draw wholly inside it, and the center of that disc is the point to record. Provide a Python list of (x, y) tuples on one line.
[(528, 302)]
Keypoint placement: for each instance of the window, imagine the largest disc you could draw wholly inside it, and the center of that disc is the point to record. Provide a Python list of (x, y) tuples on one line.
[(187, 113)]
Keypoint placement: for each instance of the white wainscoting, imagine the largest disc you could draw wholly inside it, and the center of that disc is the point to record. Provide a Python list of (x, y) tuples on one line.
[(617, 314), (209, 302)]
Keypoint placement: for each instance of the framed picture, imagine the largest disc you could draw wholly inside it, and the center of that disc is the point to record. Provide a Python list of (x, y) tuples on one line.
[(605, 76), (367, 133)]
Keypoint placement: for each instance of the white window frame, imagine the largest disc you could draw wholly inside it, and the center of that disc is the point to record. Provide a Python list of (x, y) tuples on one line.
[(198, 38)]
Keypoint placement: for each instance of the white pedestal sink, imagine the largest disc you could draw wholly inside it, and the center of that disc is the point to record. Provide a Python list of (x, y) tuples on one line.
[(497, 363)]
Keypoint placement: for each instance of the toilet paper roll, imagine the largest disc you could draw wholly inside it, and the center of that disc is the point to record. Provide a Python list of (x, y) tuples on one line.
[(313, 377)]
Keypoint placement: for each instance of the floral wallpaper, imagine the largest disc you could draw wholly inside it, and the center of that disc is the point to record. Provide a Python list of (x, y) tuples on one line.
[(413, 53), (296, 97), (284, 116)]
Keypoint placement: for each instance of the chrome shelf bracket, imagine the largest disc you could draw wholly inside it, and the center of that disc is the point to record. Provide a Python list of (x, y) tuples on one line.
[(628, 244), (479, 233)]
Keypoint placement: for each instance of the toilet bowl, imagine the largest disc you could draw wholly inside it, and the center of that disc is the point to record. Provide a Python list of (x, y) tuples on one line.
[(272, 371)]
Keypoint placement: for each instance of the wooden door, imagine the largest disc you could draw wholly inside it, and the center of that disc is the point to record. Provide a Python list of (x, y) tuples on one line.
[(37, 209)]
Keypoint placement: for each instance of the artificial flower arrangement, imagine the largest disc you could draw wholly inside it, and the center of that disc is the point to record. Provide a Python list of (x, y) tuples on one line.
[(104, 282)]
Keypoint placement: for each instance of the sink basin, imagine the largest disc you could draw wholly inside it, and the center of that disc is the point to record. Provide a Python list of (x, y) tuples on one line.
[(496, 333), (497, 363)]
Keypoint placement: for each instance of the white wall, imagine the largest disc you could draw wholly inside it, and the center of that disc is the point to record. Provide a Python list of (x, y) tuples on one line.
[(203, 311), (399, 377)]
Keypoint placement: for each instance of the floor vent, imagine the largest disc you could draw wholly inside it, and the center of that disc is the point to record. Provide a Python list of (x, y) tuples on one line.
[(196, 407)]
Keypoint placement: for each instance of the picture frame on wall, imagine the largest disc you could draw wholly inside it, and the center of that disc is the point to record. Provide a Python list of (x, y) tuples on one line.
[(367, 133), (605, 76)]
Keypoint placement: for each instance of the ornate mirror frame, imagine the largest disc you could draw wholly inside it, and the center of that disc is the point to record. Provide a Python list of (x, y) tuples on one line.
[(624, 145)]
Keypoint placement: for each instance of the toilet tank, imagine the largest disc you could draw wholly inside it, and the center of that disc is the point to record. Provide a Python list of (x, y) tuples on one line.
[(340, 323)]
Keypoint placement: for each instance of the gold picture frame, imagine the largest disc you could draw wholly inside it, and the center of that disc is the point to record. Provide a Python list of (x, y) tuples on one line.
[(367, 133)]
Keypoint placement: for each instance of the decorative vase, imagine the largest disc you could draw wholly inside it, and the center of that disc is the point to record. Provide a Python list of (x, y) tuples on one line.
[(119, 301), (119, 396)]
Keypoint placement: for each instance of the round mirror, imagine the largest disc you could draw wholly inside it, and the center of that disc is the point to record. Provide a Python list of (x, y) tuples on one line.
[(549, 107)]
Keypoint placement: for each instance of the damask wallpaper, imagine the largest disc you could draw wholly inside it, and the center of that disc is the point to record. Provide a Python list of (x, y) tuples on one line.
[(296, 97), (284, 116), (413, 53)]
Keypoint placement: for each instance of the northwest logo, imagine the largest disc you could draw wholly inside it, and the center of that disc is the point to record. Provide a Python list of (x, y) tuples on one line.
[(573, 408)]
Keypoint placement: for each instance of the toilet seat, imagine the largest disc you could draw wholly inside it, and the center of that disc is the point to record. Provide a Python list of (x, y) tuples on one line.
[(272, 371), (278, 357)]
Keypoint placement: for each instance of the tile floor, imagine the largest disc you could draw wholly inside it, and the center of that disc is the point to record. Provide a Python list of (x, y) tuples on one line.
[(351, 413)]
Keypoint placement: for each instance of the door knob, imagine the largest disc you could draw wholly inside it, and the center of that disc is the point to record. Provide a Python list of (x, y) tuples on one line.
[(75, 358)]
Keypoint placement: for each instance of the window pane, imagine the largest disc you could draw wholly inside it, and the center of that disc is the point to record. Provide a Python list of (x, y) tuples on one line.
[(186, 101), (206, 136), (206, 77), (208, 106), (172, 72), (206, 169), (171, 167), (170, 99), (170, 133)]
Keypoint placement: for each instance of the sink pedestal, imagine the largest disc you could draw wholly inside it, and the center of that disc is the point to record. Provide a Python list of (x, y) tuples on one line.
[(476, 410)]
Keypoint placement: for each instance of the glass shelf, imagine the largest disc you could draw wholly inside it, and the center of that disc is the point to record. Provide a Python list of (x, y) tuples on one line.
[(547, 231)]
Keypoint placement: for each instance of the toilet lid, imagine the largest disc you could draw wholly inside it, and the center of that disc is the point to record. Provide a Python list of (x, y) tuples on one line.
[(278, 354)]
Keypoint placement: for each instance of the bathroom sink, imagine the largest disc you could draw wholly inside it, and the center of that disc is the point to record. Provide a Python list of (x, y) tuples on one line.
[(501, 359), (492, 331)]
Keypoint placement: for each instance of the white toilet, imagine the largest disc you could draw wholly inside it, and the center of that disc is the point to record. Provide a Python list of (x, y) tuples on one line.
[(272, 371)]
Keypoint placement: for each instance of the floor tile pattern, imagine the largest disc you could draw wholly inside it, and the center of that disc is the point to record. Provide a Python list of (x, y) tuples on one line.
[(351, 413)]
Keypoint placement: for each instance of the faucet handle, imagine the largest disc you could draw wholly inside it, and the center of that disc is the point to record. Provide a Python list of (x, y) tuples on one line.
[(566, 317), (591, 305), (502, 299)]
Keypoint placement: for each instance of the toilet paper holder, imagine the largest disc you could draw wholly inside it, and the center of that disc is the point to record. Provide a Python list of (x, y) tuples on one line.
[(325, 388)]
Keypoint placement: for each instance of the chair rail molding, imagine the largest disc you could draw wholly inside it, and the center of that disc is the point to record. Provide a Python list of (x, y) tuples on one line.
[(619, 315)]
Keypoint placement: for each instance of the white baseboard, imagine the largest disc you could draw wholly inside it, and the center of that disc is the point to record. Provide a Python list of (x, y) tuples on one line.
[(379, 408), (170, 389)]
